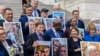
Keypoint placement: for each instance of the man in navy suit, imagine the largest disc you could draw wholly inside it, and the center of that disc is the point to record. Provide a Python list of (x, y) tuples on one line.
[(54, 32), (24, 21), (36, 12), (8, 16), (32, 39), (80, 23)]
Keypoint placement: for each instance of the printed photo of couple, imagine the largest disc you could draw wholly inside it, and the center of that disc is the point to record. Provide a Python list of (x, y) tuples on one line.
[(59, 47)]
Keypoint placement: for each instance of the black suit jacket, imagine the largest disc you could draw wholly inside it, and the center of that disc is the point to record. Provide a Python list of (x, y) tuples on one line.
[(29, 50), (39, 12), (1, 22), (80, 24), (72, 46), (3, 49)]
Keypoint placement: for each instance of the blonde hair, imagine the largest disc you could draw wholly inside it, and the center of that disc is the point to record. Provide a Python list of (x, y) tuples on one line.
[(91, 27), (89, 48)]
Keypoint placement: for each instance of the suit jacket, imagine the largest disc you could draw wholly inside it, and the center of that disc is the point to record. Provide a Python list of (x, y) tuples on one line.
[(23, 19), (50, 34), (80, 24), (1, 22), (96, 38), (29, 50), (3, 50), (72, 46), (38, 11), (50, 16)]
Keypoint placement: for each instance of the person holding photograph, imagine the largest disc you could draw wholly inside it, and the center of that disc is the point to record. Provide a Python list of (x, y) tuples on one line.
[(55, 8), (54, 32), (6, 45), (32, 39), (24, 21), (74, 43), (92, 34)]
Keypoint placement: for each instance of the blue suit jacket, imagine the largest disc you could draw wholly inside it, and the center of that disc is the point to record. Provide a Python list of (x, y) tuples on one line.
[(89, 38), (3, 50), (23, 19), (50, 16), (50, 34), (79, 25)]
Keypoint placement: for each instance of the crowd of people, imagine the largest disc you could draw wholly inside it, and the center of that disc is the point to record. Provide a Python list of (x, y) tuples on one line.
[(39, 32)]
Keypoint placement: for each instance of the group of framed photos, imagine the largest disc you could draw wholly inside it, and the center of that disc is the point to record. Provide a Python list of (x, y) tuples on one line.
[(48, 21), (59, 47)]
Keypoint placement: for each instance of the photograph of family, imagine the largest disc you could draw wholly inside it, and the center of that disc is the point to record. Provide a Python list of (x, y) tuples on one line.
[(43, 48), (14, 32)]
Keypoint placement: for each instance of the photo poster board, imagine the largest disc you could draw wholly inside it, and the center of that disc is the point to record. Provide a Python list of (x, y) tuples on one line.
[(97, 26), (32, 21), (14, 32), (81, 32), (90, 48), (43, 48), (59, 47), (61, 16), (48, 22)]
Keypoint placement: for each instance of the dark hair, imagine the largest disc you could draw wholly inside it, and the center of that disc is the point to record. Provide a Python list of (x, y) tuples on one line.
[(7, 9), (75, 11), (74, 29), (39, 23)]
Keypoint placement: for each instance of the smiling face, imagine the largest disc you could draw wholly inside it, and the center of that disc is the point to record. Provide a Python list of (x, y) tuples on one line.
[(8, 15), (2, 35), (74, 33)]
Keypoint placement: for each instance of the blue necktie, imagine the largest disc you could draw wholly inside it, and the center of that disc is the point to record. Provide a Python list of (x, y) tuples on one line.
[(57, 35)]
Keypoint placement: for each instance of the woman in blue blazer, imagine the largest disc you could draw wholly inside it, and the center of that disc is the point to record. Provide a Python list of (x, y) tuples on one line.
[(92, 34)]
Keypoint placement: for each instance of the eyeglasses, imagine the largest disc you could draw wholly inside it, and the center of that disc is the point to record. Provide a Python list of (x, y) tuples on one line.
[(63, 50)]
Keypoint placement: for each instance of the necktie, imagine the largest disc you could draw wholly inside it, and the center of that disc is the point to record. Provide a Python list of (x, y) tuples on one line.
[(57, 35), (40, 37)]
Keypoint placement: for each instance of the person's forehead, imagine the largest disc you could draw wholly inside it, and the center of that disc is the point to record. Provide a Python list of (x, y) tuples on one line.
[(2, 31), (9, 11)]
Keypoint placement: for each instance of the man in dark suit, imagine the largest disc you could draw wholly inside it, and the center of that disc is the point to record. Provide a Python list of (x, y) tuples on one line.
[(36, 12), (32, 39), (8, 15), (80, 23), (24, 21), (54, 32)]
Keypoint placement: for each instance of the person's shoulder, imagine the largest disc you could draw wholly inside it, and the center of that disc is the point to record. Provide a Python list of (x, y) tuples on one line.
[(80, 20)]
